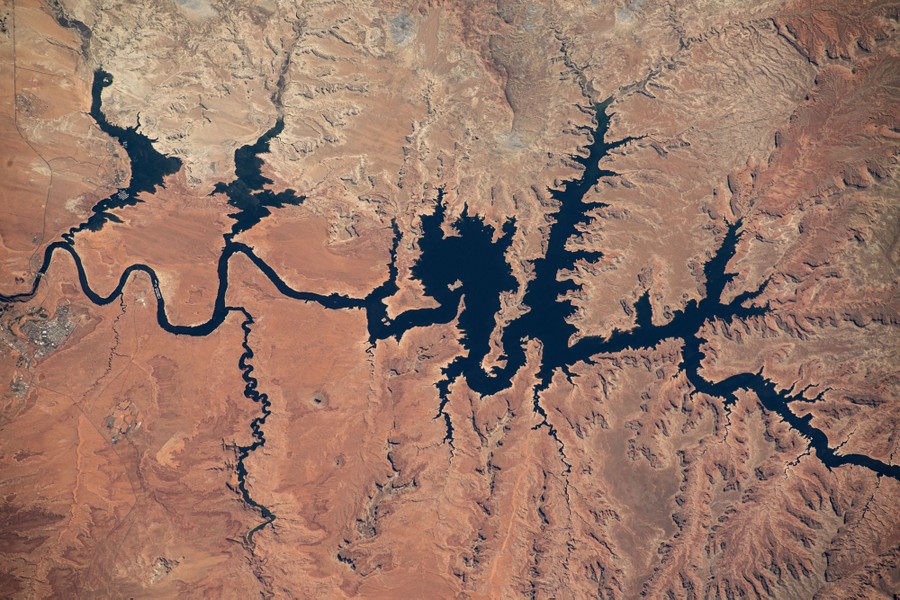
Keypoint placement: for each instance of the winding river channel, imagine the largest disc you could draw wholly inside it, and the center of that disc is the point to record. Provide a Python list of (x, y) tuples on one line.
[(470, 267)]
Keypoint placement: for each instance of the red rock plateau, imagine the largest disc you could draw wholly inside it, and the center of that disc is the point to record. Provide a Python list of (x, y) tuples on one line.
[(330, 300)]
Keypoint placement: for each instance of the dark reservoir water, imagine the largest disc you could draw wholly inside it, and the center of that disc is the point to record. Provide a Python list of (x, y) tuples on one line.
[(468, 266), (482, 277), (256, 426), (148, 166), (247, 192)]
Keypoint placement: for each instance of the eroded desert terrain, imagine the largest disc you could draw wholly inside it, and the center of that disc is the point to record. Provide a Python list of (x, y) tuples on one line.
[(449, 299)]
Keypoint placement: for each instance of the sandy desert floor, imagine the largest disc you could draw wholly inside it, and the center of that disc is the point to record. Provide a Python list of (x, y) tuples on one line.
[(408, 299)]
